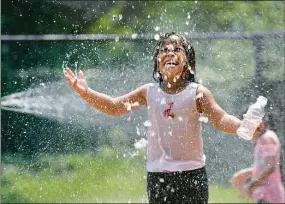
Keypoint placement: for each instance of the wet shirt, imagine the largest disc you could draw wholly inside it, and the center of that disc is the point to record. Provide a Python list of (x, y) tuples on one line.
[(272, 189), (174, 133)]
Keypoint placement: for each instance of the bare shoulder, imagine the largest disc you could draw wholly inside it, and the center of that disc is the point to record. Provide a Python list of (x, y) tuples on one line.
[(204, 98), (202, 89), (269, 137), (143, 89), (137, 95), (203, 92)]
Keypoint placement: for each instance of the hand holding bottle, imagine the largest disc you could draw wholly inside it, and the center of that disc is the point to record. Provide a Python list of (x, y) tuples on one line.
[(252, 119)]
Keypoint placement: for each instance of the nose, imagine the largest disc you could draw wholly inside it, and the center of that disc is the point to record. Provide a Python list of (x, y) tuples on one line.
[(170, 53)]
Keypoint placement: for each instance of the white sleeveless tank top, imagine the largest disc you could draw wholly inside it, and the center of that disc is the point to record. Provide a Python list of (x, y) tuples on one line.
[(174, 132)]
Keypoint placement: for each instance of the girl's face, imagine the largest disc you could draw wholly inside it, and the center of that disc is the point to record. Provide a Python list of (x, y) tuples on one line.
[(171, 58)]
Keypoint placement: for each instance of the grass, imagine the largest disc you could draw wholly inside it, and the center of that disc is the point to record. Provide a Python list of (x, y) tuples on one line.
[(84, 179)]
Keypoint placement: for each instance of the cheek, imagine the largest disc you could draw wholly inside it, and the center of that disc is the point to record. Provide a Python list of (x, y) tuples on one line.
[(183, 60), (158, 61)]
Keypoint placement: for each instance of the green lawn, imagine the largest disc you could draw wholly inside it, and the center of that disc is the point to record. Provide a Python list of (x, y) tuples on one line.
[(84, 178)]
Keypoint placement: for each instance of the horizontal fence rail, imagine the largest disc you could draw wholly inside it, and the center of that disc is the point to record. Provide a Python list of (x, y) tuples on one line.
[(115, 37)]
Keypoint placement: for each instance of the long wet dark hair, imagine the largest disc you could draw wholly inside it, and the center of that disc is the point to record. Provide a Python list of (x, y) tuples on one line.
[(190, 55)]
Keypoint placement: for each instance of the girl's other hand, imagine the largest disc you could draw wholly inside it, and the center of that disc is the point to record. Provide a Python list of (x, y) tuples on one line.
[(79, 83), (246, 190)]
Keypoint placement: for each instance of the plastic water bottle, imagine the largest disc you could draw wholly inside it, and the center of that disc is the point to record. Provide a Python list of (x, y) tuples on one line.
[(252, 118)]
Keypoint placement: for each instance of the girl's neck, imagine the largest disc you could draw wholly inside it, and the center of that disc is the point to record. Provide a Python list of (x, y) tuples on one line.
[(172, 87)]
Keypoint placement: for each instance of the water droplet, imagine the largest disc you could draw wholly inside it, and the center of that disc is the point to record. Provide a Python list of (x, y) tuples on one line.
[(188, 16), (156, 28), (134, 35), (147, 123), (162, 101), (142, 143), (156, 36), (203, 119), (138, 131)]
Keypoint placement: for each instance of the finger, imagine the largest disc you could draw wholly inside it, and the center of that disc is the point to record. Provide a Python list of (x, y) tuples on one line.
[(67, 75), (80, 75), (74, 83), (69, 79), (69, 72)]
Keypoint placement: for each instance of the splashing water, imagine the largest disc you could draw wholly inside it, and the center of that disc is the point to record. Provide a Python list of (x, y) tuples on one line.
[(57, 100), (142, 143), (50, 101)]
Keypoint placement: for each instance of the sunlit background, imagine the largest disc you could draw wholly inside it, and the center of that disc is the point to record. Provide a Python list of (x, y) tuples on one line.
[(56, 148)]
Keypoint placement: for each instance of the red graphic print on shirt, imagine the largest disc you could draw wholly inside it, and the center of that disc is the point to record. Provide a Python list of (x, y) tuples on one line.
[(167, 112)]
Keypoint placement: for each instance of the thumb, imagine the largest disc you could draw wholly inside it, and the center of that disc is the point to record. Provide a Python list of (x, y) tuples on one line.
[(80, 75)]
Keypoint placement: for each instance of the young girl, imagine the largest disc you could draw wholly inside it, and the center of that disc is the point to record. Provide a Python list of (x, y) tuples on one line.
[(175, 159), (262, 182)]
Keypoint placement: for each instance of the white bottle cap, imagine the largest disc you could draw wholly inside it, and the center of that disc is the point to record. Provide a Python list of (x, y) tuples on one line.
[(262, 100)]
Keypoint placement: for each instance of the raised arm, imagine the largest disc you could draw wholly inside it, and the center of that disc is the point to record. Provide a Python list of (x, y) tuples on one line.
[(221, 120), (104, 103)]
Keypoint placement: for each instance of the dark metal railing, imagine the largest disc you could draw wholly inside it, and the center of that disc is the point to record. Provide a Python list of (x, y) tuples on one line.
[(116, 37)]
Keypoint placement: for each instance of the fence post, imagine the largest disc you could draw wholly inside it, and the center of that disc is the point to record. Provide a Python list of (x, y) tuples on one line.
[(260, 66)]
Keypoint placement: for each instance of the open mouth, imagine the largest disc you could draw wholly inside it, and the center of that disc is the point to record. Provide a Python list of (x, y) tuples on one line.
[(171, 63)]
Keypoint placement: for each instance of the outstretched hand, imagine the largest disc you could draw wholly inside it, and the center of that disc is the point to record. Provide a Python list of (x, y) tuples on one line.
[(79, 83)]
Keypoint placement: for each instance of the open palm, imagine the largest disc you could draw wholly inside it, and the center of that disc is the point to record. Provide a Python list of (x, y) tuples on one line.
[(79, 83)]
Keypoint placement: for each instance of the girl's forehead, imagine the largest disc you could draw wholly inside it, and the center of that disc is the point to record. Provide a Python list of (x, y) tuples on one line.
[(172, 40)]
